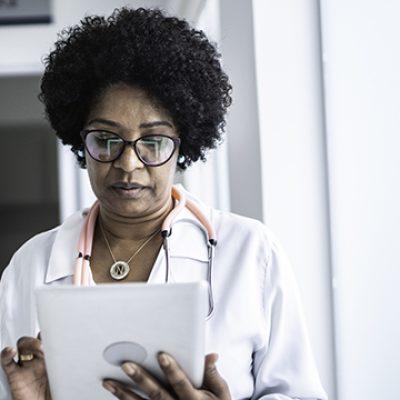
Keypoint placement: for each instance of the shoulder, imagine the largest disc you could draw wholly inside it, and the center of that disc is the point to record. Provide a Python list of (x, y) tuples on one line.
[(37, 244), (31, 256), (238, 222), (257, 248), (36, 247), (254, 241), (25, 270), (245, 231)]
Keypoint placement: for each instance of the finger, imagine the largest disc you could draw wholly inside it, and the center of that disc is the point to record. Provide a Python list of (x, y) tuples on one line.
[(145, 382), (176, 377), (7, 360), (29, 345), (212, 379), (120, 391)]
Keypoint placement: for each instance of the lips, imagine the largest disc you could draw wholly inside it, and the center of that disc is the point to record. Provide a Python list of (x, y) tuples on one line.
[(127, 185), (128, 190)]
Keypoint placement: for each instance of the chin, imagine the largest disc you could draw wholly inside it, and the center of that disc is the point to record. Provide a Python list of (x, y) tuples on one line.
[(126, 206), (129, 210)]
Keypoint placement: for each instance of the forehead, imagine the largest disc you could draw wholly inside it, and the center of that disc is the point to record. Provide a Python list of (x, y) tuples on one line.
[(128, 105)]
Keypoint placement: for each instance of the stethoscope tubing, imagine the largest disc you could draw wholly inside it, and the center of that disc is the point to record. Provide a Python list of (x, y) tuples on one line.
[(85, 243)]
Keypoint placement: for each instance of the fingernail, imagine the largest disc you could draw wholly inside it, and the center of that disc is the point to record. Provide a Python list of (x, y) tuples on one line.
[(12, 350), (109, 387), (129, 368), (164, 360)]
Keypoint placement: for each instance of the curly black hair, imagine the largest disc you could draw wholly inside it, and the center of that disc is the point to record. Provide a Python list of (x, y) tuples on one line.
[(176, 65)]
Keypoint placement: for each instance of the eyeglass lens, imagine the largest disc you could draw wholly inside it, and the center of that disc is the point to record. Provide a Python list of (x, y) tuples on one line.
[(152, 150)]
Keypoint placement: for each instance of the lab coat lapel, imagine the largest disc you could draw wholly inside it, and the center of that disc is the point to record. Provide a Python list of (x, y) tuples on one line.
[(188, 248), (188, 238), (187, 242), (64, 250)]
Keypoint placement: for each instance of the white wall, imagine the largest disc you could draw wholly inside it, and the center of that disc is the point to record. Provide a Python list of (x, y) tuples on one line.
[(363, 119), (23, 46), (295, 198), (237, 47)]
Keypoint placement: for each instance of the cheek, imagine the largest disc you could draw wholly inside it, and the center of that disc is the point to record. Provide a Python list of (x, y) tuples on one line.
[(163, 178), (97, 174)]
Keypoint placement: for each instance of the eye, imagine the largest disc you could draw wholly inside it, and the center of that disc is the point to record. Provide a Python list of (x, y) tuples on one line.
[(103, 139), (150, 141), (105, 135)]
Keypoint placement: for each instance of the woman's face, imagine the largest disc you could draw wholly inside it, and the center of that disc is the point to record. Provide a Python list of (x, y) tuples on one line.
[(125, 110)]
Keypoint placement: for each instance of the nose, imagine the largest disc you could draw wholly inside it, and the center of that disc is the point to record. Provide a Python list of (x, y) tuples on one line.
[(128, 161)]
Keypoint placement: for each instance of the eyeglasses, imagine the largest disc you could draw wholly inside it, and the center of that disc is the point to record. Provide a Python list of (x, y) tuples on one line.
[(105, 146)]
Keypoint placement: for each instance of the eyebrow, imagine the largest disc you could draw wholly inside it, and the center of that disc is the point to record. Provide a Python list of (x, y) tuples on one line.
[(143, 125)]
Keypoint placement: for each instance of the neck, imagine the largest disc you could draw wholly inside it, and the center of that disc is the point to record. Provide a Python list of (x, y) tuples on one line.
[(135, 228)]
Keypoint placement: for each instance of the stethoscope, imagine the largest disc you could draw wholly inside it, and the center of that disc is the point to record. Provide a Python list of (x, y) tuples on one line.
[(82, 266)]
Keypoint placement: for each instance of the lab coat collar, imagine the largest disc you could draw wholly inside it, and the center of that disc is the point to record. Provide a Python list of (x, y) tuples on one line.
[(182, 244)]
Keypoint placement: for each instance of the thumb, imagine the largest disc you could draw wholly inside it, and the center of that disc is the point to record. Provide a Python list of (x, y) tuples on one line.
[(212, 379), (7, 361)]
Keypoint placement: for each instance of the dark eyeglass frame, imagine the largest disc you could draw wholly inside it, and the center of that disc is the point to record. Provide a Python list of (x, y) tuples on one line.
[(132, 143)]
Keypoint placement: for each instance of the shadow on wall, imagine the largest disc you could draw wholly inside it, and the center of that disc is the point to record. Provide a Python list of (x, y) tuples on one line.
[(29, 199), (28, 168)]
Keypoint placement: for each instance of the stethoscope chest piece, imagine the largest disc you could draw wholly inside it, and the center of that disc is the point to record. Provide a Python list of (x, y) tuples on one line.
[(119, 270)]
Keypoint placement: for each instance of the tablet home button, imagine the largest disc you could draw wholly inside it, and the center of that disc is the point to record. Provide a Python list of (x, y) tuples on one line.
[(119, 352)]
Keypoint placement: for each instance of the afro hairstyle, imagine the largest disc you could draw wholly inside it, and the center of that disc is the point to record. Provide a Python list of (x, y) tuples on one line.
[(177, 66)]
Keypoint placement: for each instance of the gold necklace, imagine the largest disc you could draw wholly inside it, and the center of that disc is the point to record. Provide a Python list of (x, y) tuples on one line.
[(120, 269)]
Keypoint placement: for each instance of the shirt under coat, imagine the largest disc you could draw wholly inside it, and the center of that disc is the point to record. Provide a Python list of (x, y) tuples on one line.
[(257, 327)]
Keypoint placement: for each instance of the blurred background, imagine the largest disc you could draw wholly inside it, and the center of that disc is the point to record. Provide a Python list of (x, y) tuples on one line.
[(311, 149)]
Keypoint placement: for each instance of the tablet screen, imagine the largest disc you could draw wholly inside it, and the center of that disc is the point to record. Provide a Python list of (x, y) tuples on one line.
[(88, 332)]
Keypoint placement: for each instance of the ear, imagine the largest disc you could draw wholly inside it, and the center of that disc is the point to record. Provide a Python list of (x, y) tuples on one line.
[(81, 156), (80, 152)]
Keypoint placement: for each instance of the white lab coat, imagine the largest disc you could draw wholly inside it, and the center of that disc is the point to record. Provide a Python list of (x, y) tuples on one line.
[(257, 328)]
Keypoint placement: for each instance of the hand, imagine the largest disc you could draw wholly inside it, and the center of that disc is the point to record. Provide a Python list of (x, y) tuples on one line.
[(214, 387), (27, 379)]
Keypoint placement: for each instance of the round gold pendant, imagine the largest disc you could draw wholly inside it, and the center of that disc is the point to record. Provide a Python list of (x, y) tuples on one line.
[(119, 270)]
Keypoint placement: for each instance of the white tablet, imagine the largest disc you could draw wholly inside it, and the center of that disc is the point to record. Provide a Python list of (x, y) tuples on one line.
[(88, 332)]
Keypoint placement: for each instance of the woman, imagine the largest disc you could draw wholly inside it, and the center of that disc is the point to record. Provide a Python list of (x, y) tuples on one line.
[(138, 95)]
